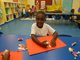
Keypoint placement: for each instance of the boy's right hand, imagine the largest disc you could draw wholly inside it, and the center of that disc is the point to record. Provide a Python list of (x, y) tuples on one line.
[(44, 44)]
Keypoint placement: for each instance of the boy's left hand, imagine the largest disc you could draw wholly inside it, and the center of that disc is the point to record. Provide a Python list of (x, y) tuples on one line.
[(53, 43)]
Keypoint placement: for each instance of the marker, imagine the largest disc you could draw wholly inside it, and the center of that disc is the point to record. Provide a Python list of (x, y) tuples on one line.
[(73, 44)]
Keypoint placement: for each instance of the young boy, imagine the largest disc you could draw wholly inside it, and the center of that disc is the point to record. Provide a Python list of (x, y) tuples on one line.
[(40, 28)]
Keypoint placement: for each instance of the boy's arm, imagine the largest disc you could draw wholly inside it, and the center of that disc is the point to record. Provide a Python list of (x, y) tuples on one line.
[(42, 44), (53, 41)]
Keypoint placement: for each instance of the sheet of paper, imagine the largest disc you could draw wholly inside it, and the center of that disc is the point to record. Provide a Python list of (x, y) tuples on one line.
[(33, 48)]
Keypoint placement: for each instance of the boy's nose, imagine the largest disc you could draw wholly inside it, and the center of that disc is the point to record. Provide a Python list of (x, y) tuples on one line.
[(39, 20)]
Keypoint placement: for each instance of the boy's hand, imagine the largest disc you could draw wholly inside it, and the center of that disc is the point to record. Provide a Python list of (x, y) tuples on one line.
[(44, 44), (53, 43)]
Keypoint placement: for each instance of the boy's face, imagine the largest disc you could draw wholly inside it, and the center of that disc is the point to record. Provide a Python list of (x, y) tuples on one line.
[(40, 19)]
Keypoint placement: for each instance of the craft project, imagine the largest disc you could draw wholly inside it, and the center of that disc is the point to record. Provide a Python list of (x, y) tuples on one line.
[(33, 48)]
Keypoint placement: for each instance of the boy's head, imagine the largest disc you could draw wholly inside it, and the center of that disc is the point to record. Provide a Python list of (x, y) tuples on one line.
[(40, 18)]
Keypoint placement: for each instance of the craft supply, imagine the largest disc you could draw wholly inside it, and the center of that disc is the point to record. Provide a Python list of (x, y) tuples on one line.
[(20, 39), (73, 44)]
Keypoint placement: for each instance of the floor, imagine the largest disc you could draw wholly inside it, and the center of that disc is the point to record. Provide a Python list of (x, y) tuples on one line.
[(23, 27)]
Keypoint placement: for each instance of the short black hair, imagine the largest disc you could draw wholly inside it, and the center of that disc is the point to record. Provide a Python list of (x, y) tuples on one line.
[(41, 12)]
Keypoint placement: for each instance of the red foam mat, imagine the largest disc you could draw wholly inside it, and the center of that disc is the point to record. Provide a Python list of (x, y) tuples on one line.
[(33, 48)]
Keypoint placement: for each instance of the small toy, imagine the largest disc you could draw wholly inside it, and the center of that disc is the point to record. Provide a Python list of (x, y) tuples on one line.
[(75, 53), (20, 39), (22, 47), (73, 44), (78, 52), (70, 49)]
